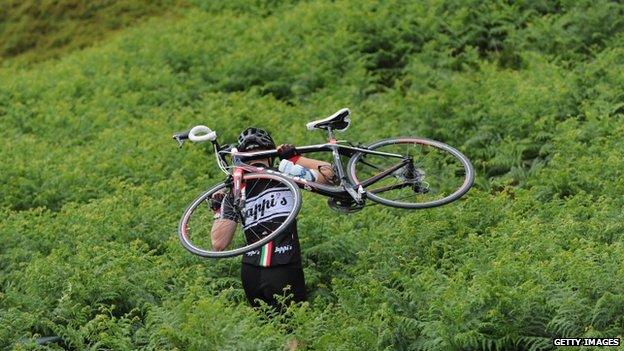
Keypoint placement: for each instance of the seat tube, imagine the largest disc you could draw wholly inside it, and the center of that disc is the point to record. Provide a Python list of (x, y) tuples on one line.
[(344, 182), (336, 156), (338, 163)]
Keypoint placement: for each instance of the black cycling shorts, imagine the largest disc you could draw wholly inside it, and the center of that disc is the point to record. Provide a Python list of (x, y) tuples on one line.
[(264, 282)]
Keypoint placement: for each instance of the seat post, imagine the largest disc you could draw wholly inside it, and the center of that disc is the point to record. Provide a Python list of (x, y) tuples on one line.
[(330, 133)]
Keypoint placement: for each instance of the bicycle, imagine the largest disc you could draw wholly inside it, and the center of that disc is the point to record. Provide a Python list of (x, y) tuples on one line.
[(406, 172)]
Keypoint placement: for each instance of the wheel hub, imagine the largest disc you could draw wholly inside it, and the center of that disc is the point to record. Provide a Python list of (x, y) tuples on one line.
[(414, 176)]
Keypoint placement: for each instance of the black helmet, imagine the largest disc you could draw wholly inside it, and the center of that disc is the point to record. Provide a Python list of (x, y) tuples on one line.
[(255, 138)]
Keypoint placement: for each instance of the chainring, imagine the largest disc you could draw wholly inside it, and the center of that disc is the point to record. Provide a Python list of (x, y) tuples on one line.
[(344, 207)]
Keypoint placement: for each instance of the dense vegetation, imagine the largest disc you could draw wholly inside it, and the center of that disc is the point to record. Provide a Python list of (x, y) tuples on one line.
[(39, 30), (92, 185)]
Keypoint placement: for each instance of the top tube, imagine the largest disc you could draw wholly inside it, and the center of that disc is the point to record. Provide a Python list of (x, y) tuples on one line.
[(249, 156)]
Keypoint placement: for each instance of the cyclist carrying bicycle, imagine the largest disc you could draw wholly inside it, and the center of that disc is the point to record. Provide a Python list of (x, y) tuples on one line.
[(267, 271), (255, 199)]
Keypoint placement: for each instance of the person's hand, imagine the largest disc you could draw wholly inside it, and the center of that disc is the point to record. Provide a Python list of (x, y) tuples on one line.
[(287, 151), (216, 199)]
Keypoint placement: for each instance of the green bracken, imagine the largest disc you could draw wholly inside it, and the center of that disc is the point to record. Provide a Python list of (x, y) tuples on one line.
[(92, 186)]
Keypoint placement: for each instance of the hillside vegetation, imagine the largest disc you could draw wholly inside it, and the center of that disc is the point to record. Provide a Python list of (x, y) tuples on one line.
[(92, 186), (34, 31)]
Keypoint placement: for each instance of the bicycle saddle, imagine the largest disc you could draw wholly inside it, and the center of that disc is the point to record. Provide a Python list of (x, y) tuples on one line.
[(339, 121)]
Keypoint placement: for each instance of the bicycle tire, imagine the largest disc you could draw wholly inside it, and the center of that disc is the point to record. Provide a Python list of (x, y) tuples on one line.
[(183, 229), (466, 184)]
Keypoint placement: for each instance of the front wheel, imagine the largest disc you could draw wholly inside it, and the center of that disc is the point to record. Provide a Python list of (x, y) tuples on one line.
[(271, 205), (411, 173)]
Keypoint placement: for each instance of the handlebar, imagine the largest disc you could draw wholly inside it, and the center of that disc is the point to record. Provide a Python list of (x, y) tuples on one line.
[(202, 133), (196, 134), (181, 136)]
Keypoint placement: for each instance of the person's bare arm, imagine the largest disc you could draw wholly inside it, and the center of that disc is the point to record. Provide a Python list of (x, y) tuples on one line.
[(223, 228), (323, 171), (222, 233)]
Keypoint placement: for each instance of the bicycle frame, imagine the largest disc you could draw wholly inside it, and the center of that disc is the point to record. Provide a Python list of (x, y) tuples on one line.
[(362, 178), (345, 190)]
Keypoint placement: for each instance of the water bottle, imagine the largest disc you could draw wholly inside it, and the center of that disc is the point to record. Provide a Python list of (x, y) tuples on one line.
[(291, 169)]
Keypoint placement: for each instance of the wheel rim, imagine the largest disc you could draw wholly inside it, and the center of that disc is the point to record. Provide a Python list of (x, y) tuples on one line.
[(196, 222), (440, 173)]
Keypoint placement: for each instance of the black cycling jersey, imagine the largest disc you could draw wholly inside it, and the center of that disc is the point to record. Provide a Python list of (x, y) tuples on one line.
[(267, 204)]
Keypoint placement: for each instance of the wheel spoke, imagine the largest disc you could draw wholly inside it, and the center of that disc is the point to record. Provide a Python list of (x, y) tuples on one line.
[(370, 165)]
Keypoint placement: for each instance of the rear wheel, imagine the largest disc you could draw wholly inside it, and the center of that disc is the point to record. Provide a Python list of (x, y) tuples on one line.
[(198, 219), (428, 173)]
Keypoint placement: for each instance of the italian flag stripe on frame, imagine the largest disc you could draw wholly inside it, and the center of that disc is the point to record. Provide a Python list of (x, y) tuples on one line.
[(265, 255)]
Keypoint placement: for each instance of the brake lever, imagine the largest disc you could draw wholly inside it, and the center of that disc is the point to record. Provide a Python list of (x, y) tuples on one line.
[(180, 137), (179, 140)]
